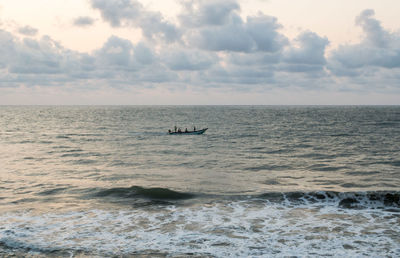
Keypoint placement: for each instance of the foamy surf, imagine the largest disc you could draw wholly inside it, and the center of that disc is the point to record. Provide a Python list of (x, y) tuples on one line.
[(242, 228)]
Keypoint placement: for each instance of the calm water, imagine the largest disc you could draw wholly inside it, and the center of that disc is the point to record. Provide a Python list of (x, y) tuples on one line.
[(262, 181)]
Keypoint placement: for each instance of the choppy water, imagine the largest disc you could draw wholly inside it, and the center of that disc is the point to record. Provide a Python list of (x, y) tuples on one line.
[(262, 181)]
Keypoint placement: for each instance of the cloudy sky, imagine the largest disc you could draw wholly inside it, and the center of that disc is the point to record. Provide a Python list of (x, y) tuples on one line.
[(199, 52)]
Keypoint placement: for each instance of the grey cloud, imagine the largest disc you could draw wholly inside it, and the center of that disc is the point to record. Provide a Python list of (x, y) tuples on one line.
[(117, 12), (205, 13), (354, 60), (179, 59), (28, 31), (358, 56), (307, 56), (254, 59), (116, 52), (232, 52), (236, 75), (143, 54), (44, 62), (154, 26), (7, 49), (35, 62), (36, 57), (121, 54), (258, 33), (83, 21), (230, 37), (311, 50), (379, 48), (210, 25), (263, 30), (132, 13), (375, 35), (312, 70)]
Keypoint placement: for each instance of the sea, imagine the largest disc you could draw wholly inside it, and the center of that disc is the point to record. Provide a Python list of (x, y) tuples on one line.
[(262, 181)]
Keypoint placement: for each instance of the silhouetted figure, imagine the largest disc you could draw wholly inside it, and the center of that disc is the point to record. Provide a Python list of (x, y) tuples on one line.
[(186, 130), (175, 128), (194, 128)]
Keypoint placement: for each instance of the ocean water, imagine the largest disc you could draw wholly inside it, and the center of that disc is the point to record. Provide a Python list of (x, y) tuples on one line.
[(262, 181)]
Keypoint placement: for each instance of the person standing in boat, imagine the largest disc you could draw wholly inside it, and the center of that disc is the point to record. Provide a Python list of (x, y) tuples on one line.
[(186, 130), (194, 128), (175, 128)]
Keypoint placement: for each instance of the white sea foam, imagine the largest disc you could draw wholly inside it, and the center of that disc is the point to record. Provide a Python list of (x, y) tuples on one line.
[(235, 229)]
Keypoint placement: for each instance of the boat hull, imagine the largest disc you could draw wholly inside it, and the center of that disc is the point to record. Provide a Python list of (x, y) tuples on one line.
[(189, 132)]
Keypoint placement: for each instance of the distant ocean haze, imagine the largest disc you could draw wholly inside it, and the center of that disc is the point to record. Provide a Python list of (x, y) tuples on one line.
[(261, 181)]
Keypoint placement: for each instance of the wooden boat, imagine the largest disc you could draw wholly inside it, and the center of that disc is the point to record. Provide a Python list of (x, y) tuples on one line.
[(189, 132)]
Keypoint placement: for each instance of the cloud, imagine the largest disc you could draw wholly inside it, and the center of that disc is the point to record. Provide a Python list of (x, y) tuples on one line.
[(116, 52), (375, 35), (118, 12), (263, 30), (32, 62), (28, 31), (7, 49), (230, 37), (36, 57), (379, 48), (44, 62), (188, 60), (207, 12), (306, 54), (143, 54), (132, 13), (310, 50), (120, 63), (209, 25), (83, 21), (257, 33), (217, 48)]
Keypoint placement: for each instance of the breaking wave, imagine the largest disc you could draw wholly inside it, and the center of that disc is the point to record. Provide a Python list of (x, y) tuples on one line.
[(371, 199), (348, 200)]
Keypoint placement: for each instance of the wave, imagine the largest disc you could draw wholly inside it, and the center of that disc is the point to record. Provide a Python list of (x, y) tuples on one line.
[(352, 200), (53, 191), (348, 200), (155, 193)]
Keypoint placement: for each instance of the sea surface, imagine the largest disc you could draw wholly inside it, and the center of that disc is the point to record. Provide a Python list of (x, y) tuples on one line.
[(263, 181)]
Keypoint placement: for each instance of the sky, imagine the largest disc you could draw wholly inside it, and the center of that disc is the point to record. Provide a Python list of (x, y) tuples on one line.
[(199, 52)]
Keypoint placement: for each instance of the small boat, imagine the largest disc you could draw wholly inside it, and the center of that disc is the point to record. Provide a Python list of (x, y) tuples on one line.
[(189, 132)]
